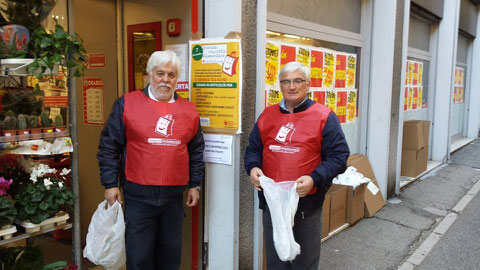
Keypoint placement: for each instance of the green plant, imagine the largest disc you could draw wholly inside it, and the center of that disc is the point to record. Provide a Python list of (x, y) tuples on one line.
[(44, 119), (8, 212), (22, 121), (10, 123), (32, 121), (29, 13), (58, 122), (21, 258), (9, 113), (53, 48)]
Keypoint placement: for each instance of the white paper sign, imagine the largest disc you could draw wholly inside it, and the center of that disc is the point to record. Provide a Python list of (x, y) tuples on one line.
[(373, 188), (218, 148)]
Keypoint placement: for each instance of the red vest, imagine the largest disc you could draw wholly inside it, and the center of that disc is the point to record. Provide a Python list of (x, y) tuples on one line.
[(157, 134), (292, 142)]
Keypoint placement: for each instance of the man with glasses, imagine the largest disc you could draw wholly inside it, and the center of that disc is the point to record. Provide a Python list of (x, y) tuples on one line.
[(153, 143), (297, 140)]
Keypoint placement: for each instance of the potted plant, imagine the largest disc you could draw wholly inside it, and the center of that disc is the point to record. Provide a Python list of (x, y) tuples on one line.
[(22, 126), (35, 131), (46, 124), (9, 126), (44, 195), (8, 212), (58, 123)]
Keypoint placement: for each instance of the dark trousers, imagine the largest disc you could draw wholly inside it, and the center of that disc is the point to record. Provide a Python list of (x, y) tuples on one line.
[(153, 236), (307, 233)]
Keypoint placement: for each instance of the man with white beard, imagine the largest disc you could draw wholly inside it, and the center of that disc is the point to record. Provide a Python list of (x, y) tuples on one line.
[(152, 147)]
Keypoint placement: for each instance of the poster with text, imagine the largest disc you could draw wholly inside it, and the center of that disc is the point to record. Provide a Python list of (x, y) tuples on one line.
[(272, 52), (93, 101), (316, 68), (415, 98), (303, 55), (273, 96), (288, 54), (342, 106), (351, 105), (340, 69), (420, 73), (409, 74), (328, 69), (319, 97), (351, 67), (215, 76), (420, 97), (331, 100), (415, 73), (410, 98), (405, 99)]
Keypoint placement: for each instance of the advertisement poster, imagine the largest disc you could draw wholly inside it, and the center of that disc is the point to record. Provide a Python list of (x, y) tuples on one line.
[(458, 95), (340, 70), (183, 90), (351, 105), (215, 78), (410, 98), (420, 98), (420, 73), (351, 67), (415, 73), (218, 148), (288, 55), (303, 56), (409, 74), (461, 94), (342, 106), (316, 67), (273, 96), (405, 99), (319, 97), (93, 104), (331, 100), (328, 69), (271, 63), (415, 98)]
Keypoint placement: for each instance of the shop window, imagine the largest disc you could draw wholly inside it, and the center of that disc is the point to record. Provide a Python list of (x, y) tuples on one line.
[(419, 33), (333, 75), (416, 85)]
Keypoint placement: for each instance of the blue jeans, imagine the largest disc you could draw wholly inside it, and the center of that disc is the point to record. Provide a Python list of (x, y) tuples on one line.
[(153, 236), (307, 233)]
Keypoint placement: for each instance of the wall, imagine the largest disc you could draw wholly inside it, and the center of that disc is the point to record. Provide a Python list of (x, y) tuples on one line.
[(101, 18)]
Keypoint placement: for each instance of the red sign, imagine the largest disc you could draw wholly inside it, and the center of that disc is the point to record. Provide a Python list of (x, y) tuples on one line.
[(316, 69), (341, 67), (55, 102), (96, 60), (288, 55), (342, 106), (319, 96), (182, 89), (93, 107)]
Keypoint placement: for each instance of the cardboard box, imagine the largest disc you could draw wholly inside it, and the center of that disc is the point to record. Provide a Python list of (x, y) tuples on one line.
[(338, 206), (414, 162), (326, 216), (355, 203), (373, 199), (373, 202), (361, 163), (413, 138)]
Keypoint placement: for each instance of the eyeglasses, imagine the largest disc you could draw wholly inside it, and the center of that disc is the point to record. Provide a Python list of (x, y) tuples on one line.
[(296, 82)]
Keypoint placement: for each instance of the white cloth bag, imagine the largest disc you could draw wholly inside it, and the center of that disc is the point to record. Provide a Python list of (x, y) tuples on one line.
[(106, 237), (282, 199)]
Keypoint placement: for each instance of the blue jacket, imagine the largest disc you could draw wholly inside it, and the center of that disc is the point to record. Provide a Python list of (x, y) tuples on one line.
[(334, 154), (111, 160)]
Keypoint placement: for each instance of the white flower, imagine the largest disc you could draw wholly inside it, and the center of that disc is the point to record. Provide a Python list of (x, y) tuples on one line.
[(65, 171), (47, 183), (60, 184)]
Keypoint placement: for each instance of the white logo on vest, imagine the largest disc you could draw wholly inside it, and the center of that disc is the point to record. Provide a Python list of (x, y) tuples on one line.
[(284, 136), (165, 125)]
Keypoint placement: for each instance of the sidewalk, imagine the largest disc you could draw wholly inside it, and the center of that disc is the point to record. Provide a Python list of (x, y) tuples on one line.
[(388, 240)]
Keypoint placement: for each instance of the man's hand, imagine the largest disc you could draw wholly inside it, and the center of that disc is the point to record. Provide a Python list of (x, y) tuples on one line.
[(112, 195), (304, 185), (255, 173), (192, 197)]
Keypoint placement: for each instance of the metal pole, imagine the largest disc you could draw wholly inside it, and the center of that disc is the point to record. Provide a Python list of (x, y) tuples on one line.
[(72, 116)]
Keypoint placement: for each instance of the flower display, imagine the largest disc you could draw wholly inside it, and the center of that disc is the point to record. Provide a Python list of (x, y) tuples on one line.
[(4, 186)]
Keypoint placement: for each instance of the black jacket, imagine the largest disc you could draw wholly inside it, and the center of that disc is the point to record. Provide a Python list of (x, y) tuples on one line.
[(334, 154), (111, 160)]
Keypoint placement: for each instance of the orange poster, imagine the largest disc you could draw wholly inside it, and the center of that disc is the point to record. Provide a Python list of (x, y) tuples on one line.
[(316, 65), (351, 66), (303, 56), (340, 69), (415, 98), (271, 63), (410, 98), (405, 99), (415, 73), (319, 96), (288, 55), (420, 73), (328, 69), (351, 105), (409, 72), (342, 106), (420, 98), (331, 100)]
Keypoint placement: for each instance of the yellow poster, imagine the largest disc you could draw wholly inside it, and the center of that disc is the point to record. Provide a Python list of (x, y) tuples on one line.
[(273, 96), (420, 97), (420, 73), (331, 101), (351, 105), (303, 56), (215, 76), (328, 69), (351, 66), (271, 63), (410, 98), (409, 72)]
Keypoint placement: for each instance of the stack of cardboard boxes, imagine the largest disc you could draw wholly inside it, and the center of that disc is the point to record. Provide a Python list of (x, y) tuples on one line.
[(415, 147), (344, 205)]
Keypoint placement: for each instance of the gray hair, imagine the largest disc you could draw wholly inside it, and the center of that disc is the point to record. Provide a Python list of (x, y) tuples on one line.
[(162, 58), (293, 67)]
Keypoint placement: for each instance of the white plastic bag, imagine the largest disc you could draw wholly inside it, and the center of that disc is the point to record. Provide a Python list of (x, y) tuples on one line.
[(282, 199), (106, 237)]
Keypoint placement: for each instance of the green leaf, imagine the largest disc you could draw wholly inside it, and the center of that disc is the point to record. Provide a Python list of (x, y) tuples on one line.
[(30, 189), (59, 200), (43, 205), (37, 197), (30, 209), (57, 58)]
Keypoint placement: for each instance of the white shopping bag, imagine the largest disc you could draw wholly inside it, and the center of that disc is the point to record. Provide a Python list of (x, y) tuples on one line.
[(106, 237), (282, 199)]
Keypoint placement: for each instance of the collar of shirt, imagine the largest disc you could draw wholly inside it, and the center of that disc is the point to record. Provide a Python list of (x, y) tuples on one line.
[(284, 106), (150, 94)]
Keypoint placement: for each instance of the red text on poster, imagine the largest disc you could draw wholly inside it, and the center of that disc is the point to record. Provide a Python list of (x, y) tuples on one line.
[(341, 66), (287, 55)]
